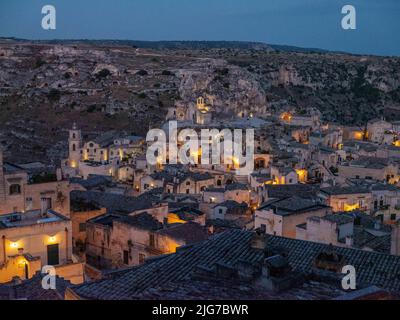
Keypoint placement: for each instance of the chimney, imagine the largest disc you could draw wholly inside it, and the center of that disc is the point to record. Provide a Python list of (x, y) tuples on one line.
[(258, 241), (329, 260), (16, 280), (349, 241), (394, 239), (277, 274)]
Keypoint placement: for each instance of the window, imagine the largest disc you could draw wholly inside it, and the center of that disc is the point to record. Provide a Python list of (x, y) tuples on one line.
[(73, 147), (220, 211), (28, 203), (142, 257), (393, 216), (152, 241), (45, 204), (188, 183), (187, 191), (91, 145), (126, 257), (82, 227), (15, 189), (73, 136)]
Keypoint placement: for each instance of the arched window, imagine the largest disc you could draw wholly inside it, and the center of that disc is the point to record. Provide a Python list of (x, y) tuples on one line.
[(15, 189), (73, 136), (73, 147)]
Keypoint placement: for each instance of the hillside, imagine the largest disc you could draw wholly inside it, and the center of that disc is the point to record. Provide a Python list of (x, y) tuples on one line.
[(128, 85)]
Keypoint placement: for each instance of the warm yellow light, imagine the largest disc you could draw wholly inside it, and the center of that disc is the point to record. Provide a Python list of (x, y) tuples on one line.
[(286, 116), (73, 164), (302, 175), (22, 262), (14, 245), (173, 218), (351, 207), (279, 181), (359, 135), (397, 143), (52, 239)]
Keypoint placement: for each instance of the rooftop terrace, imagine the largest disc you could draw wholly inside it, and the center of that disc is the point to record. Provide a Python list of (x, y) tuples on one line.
[(18, 219)]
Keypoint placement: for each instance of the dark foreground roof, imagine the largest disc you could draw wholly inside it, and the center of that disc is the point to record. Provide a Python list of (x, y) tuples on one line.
[(230, 248), (32, 289)]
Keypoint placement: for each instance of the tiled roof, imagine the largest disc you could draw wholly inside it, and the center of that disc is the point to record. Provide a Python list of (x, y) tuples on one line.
[(236, 186), (115, 202), (344, 190), (370, 162), (188, 232), (229, 248), (92, 181), (287, 190), (142, 220), (231, 204), (32, 290), (226, 290), (291, 205), (187, 213), (338, 218)]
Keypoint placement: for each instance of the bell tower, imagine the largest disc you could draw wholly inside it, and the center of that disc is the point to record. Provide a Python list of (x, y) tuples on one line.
[(200, 103), (75, 144)]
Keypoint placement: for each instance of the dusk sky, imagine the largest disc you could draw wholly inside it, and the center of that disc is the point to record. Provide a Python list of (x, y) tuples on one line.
[(304, 23)]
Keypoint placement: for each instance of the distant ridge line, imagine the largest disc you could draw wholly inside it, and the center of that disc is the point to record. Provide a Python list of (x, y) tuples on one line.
[(186, 44)]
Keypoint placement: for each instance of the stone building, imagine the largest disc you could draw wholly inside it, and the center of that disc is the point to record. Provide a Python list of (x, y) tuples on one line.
[(35, 239), (281, 216), (20, 193)]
